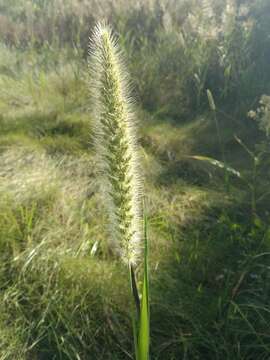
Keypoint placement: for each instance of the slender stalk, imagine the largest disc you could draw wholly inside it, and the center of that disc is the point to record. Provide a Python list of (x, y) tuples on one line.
[(212, 106), (254, 188), (144, 326), (117, 157), (253, 184)]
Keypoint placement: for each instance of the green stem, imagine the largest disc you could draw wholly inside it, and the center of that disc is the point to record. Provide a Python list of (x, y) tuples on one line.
[(254, 192), (134, 290), (144, 325), (222, 148)]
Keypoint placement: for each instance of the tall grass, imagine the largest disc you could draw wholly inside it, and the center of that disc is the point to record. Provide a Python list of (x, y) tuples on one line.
[(175, 50), (64, 294), (117, 157)]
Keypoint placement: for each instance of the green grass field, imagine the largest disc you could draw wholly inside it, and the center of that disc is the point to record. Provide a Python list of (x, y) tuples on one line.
[(63, 293)]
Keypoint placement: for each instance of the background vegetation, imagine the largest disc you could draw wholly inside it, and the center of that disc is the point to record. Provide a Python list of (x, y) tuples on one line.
[(62, 294)]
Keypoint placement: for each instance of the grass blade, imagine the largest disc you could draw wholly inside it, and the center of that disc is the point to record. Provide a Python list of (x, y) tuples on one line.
[(144, 326), (216, 163)]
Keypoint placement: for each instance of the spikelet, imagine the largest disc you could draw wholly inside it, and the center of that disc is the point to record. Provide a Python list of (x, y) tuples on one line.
[(115, 144)]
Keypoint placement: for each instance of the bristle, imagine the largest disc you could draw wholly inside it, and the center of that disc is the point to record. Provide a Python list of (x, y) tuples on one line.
[(115, 143)]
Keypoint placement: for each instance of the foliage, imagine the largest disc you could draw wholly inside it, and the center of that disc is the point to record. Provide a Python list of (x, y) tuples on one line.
[(175, 51), (62, 294)]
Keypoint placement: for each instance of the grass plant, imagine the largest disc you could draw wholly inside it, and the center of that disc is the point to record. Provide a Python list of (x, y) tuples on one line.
[(117, 157)]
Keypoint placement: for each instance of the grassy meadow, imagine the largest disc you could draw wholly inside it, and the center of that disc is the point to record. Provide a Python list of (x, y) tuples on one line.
[(63, 293)]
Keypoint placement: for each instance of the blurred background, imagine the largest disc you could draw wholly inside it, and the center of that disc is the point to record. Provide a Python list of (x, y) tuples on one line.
[(174, 49)]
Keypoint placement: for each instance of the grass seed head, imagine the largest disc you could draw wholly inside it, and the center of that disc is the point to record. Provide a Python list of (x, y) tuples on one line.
[(115, 142)]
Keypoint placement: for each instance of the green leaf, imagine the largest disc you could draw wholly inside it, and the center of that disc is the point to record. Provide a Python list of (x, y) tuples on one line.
[(144, 326), (135, 337)]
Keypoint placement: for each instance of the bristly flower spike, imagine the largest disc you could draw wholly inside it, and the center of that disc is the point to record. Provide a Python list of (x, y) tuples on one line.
[(116, 144)]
